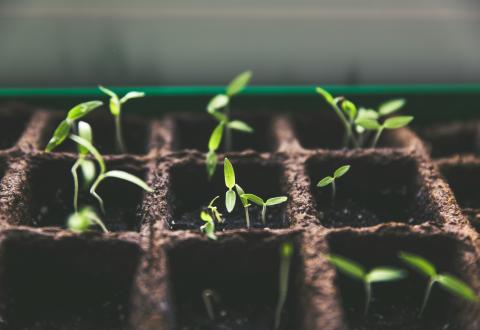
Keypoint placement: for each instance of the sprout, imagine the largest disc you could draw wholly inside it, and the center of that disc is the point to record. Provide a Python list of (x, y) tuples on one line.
[(82, 220), (245, 203), (447, 281), (390, 123), (209, 227), (339, 172), (214, 210), (208, 297), (230, 197), (357, 272), (286, 252), (222, 101), (116, 110), (269, 202)]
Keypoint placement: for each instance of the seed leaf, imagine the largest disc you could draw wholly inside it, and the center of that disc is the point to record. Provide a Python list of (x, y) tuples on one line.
[(341, 171), (385, 274), (209, 229), (239, 83), (86, 144), (211, 163), (131, 95), (217, 102), (88, 171), (367, 114), (390, 107), (229, 174), (107, 91), (216, 137), (122, 175), (85, 132), (254, 198), (456, 286), (230, 199), (276, 200), (78, 222), (367, 123), (418, 263), (348, 267), (397, 122), (240, 194), (82, 109), (240, 126), (326, 95), (205, 216), (350, 109), (60, 134), (325, 181)]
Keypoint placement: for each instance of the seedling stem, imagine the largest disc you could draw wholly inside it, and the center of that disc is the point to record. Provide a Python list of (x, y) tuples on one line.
[(286, 252), (269, 202), (209, 296), (331, 180)]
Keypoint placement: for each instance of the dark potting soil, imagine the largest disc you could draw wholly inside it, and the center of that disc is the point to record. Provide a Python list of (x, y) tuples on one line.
[(464, 179), (11, 128)]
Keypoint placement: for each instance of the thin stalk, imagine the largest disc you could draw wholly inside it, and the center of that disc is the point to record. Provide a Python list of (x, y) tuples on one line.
[(334, 192), (283, 288), (377, 137), (348, 128), (119, 134), (94, 193), (247, 216), (75, 183), (100, 223), (228, 131), (368, 297), (208, 296), (264, 214), (427, 295)]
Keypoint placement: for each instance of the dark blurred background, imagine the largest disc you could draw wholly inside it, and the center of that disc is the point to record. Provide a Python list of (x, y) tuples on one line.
[(179, 42)]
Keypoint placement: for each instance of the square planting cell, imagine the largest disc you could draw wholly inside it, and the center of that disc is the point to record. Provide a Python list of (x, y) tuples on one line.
[(12, 126), (396, 305), (51, 196), (136, 134), (71, 283), (191, 192), (377, 189), (193, 132), (322, 130), (243, 273)]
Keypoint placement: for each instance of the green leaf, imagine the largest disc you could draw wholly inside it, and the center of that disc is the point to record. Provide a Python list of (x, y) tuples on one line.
[(211, 163), (131, 95), (85, 132), (326, 95), (84, 143), (390, 107), (122, 175), (457, 287), (230, 199), (60, 134), (240, 126), (397, 122), (418, 263), (229, 174), (350, 109), (276, 200), (114, 103), (367, 114), (82, 109), (240, 194), (385, 274), (239, 83), (209, 229), (347, 266), (216, 137), (341, 171), (254, 198), (370, 124), (325, 181), (78, 222), (217, 102), (88, 171), (107, 91), (286, 249), (205, 216)]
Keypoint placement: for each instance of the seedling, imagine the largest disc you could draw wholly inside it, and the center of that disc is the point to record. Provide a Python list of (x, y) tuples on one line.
[(214, 210), (447, 281), (209, 227), (214, 108), (210, 296), (245, 203), (389, 124), (116, 110), (286, 252), (230, 197), (330, 180), (357, 272), (82, 220), (269, 202)]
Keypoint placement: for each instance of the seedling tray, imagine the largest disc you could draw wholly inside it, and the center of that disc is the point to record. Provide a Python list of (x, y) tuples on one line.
[(417, 192)]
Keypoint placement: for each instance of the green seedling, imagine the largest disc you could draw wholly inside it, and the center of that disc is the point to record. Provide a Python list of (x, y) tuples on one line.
[(389, 124), (245, 203), (269, 202), (210, 296), (331, 180), (214, 210), (230, 196), (81, 221), (115, 106), (357, 272), (104, 174), (446, 281), (286, 252), (225, 123), (209, 227)]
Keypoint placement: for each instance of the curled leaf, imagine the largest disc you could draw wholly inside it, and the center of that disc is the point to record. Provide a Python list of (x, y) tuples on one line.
[(326, 95)]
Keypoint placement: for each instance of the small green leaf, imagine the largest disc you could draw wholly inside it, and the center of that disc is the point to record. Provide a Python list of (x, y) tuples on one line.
[(276, 200), (240, 126), (211, 163), (107, 91), (88, 171), (367, 114), (217, 102), (209, 229), (397, 122), (229, 174), (326, 95), (390, 107), (348, 267), (239, 83), (457, 287), (350, 109), (370, 124), (286, 249), (60, 134), (385, 274), (240, 194), (82, 109), (418, 263), (230, 199), (205, 216), (216, 137), (131, 95), (84, 143), (115, 106), (325, 181), (78, 222), (85, 132), (122, 175), (254, 198), (341, 171)]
